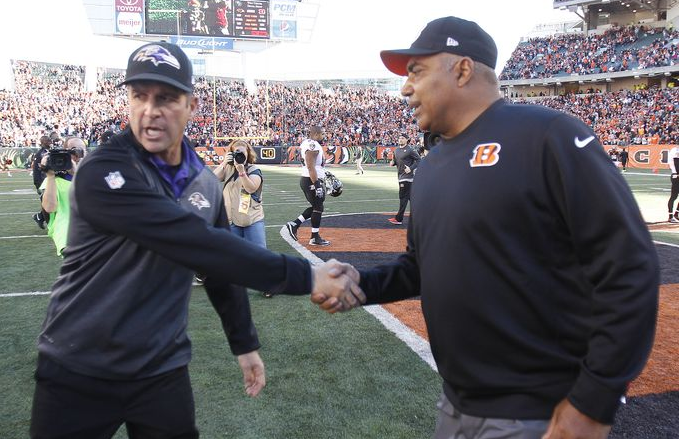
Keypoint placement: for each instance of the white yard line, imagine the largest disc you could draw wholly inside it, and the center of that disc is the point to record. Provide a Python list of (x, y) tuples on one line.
[(25, 236), (416, 343), (666, 243), (32, 293)]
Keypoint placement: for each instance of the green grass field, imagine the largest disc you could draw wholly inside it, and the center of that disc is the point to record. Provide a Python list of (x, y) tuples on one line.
[(339, 376)]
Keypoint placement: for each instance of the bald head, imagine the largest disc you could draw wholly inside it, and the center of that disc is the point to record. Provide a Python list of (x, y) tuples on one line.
[(316, 132)]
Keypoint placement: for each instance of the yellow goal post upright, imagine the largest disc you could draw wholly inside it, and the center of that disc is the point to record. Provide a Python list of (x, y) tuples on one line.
[(218, 64), (283, 13)]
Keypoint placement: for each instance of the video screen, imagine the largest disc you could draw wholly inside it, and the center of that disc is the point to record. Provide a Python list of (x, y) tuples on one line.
[(215, 18)]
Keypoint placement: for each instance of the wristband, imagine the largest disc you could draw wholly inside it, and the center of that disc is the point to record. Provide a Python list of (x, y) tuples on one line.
[(317, 183)]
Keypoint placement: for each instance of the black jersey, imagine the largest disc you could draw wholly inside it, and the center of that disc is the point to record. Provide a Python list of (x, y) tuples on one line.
[(403, 157), (118, 308), (537, 273)]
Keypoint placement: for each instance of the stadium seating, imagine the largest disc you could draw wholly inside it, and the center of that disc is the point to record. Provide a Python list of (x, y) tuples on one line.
[(617, 49), (50, 97)]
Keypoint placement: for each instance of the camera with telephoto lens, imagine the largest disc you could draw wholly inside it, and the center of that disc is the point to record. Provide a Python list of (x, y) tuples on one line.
[(239, 157), (59, 159)]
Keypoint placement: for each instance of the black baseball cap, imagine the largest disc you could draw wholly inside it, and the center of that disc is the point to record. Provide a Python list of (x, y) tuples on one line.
[(160, 62), (447, 34)]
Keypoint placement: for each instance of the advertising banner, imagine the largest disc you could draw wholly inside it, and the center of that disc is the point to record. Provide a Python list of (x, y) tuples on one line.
[(284, 19), (129, 17), (647, 156), (204, 43)]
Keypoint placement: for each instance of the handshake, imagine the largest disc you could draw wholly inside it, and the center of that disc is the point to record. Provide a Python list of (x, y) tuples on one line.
[(335, 286)]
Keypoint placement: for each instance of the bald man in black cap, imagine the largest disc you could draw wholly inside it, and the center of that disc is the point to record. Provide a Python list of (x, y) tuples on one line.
[(538, 277)]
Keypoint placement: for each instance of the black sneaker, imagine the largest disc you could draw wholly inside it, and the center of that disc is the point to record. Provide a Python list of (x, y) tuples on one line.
[(39, 221), (318, 241), (268, 295), (292, 229)]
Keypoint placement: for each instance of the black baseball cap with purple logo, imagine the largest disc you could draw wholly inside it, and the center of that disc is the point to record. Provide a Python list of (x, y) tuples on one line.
[(447, 34), (160, 62)]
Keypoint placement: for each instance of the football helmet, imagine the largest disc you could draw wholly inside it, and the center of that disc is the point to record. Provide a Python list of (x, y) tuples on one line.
[(333, 185)]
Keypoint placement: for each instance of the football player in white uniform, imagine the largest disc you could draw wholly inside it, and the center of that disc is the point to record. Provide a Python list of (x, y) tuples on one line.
[(312, 185), (673, 161)]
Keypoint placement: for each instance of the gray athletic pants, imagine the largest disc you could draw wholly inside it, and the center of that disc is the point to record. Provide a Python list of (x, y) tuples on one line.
[(451, 424)]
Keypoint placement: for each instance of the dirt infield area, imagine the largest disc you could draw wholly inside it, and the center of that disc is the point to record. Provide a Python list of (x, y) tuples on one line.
[(653, 399)]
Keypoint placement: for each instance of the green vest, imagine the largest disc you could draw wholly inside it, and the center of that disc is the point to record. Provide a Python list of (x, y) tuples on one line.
[(57, 228)]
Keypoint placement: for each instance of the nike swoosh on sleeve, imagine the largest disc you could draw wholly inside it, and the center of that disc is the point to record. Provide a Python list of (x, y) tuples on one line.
[(582, 143)]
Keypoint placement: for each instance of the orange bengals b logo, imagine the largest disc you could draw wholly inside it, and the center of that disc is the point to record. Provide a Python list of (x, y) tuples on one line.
[(485, 154)]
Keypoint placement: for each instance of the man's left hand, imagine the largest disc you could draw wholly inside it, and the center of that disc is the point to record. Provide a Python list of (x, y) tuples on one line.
[(253, 372), (336, 287), (569, 423)]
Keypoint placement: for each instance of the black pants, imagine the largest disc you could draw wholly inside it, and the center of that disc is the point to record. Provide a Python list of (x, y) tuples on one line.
[(74, 406), (403, 198), (310, 194), (673, 195)]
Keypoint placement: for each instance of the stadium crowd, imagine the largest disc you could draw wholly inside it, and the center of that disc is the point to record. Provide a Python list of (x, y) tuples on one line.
[(51, 97), (626, 117), (617, 49)]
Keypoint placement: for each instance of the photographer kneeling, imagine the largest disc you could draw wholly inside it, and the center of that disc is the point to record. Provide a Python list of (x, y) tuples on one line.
[(243, 192), (59, 165)]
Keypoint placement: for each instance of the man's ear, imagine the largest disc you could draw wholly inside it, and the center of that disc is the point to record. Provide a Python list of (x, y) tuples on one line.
[(464, 69), (193, 103)]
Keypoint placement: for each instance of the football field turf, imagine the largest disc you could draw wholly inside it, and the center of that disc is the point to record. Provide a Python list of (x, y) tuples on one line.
[(328, 376)]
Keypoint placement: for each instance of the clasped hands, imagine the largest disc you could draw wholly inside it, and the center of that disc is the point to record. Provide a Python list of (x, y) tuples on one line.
[(336, 287)]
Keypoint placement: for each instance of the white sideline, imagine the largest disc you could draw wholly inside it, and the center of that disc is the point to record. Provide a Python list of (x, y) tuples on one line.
[(666, 243), (24, 236), (32, 293), (416, 343)]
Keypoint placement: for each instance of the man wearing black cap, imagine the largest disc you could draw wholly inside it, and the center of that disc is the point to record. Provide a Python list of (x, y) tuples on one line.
[(146, 215), (406, 160), (537, 274)]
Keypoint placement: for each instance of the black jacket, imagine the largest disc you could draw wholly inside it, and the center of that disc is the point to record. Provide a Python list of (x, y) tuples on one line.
[(538, 276), (403, 157), (119, 307), (38, 174)]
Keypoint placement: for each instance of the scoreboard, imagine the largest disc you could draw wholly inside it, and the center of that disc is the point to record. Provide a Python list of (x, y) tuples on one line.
[(209, 18), (251, 19)]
